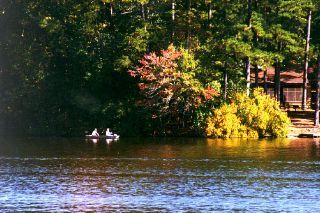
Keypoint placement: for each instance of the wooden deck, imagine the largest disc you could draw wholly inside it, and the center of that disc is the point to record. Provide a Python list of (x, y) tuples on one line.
[(302, 125), (309, 135)]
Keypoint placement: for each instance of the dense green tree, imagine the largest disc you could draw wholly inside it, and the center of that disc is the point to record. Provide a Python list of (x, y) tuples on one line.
[(63, 64)]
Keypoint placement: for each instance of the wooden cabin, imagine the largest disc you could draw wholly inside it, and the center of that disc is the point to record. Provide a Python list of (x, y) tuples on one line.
[(291, 84)]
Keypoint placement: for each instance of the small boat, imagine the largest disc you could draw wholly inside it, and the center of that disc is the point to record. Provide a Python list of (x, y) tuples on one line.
[(113, 137)]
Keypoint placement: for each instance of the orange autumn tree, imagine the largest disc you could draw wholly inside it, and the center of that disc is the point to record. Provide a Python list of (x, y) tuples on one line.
[(170, 92)]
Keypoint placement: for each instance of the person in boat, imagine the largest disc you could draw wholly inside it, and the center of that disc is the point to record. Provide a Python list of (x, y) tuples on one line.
[(108, 133), (95, 132), (111, 134)]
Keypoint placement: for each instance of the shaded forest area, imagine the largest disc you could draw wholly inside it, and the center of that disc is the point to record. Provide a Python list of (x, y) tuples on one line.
[(65, 64)]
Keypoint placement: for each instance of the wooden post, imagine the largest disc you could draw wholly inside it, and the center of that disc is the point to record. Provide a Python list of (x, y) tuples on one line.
[(277, 81), (256, 76), (265, 88)]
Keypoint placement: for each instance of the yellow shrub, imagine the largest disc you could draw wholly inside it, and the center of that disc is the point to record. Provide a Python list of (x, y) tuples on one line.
[(224, 122), (254, 116)]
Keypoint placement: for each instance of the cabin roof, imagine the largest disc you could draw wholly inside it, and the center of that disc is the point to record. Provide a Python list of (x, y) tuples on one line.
[(287, 76)]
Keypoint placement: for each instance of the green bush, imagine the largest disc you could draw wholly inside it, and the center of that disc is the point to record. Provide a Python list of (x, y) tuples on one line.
[(255, 116)]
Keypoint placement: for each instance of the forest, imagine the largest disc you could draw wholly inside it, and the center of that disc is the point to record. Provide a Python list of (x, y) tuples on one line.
[(143, 67)]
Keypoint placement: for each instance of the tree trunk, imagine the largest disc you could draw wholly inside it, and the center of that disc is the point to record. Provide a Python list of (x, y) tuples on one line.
[(172, 20), (188, 25), (111, 14), (111, 9), (248, 75), (316, 111), (225, 86), (209, 14), (143, 16), (306, 61), (249, 18), (277, 76), (248, 63)]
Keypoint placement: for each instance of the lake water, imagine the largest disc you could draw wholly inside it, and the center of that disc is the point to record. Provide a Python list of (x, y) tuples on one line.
[(159, 175)]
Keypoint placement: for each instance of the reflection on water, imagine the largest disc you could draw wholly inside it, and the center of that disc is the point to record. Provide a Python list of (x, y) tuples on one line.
[(169, 175)]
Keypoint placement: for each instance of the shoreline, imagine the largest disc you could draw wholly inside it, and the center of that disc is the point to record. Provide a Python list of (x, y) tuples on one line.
[(302, 125)]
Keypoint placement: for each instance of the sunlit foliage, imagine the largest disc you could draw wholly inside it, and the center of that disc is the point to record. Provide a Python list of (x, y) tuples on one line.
[(254, 116), (170, 92)]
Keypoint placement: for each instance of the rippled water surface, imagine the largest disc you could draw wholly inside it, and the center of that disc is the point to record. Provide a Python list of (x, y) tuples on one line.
[(166, 175)]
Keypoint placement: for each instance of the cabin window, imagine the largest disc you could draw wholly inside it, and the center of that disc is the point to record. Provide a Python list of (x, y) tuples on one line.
[(270, 92), (292, 94)]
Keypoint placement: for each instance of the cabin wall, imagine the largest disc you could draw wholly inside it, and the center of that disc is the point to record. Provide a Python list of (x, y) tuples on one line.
[(290, 94)]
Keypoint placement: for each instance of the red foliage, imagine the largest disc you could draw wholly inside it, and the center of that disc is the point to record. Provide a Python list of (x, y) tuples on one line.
[(170, 94), (142, 86), (209, 93), (153, 67)]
